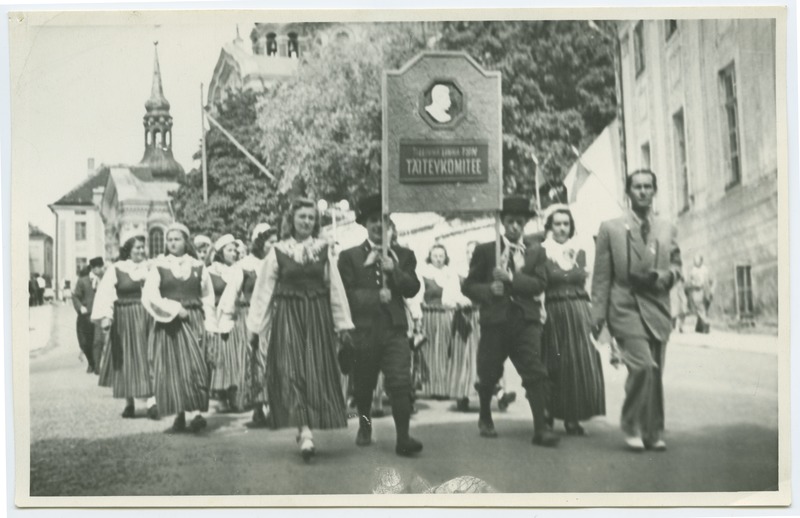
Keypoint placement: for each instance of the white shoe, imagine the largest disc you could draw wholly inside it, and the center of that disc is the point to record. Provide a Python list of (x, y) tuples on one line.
[(634, 443), (660, 445), (306, 442)]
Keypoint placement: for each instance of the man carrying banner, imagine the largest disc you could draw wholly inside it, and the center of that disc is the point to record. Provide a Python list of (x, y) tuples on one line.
[(378, 311), (511, 319)]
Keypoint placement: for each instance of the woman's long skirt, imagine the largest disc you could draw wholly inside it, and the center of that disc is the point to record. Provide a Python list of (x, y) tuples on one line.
[(106, 369), (180, 364), (125, 365), (462, 368), (436, 323), (576, 372), (231, 362), (303, 379), (259, 390)]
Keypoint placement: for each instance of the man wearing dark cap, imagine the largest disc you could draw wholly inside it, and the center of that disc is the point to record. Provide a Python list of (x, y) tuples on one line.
[(83, 300), (380, 338), (511, 318)]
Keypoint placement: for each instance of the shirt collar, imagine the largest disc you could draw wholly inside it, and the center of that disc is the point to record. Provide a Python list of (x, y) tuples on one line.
[(638, 220)]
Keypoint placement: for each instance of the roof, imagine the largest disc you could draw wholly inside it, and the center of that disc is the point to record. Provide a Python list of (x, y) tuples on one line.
[(34, 231), (82, 193), (131, 188)]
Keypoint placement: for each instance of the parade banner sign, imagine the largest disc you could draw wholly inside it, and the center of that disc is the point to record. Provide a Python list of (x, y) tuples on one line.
[(442, 136)]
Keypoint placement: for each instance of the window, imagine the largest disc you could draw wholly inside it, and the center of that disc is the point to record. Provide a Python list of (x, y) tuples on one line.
[(293, 48), (638, 48), (156, 241), (272, 44), (646, 155), (671, 27), (744, 291), (80, 212), (681, 168), (727, 79), (80, 231), (80, 264)]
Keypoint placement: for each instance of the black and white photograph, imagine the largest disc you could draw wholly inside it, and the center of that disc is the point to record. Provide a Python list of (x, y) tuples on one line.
[(524, 258)]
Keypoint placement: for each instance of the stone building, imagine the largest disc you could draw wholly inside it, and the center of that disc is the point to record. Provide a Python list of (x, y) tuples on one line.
[(700, 110)]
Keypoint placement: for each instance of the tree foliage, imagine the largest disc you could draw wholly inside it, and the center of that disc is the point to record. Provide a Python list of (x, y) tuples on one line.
[(239, 194), (558, 88), (322, 128)]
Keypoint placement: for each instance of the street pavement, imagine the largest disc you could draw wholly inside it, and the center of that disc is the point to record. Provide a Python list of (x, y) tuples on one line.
[(721, 414)]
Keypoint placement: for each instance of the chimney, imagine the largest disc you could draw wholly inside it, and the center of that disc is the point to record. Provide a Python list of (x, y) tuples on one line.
[(90, 166)]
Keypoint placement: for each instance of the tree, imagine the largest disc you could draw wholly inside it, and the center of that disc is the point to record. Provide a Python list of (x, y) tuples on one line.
[(558, 88), (322, 128), (239, 194)]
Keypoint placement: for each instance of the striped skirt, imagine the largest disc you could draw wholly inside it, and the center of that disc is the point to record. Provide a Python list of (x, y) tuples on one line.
[(230, 361), (257, 362), (106, 368), (436, 323), (129, 351), (180, 368), (462, 368), (576, 372), (303, 379)]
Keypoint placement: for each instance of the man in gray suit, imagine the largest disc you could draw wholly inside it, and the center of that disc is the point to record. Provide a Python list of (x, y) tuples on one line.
[(637, 261)]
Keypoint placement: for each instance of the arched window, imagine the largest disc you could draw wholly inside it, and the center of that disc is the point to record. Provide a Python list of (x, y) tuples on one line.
[(293, 47), (149, 137), (156, 241), (157, 138), (272, 44)]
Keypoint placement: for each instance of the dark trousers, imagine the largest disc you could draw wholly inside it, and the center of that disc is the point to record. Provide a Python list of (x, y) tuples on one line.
[(383, 348), (643, 410), (521, 341), (86, 338)]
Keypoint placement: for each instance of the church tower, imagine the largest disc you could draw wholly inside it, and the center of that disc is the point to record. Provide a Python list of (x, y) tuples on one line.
[(158, 162)]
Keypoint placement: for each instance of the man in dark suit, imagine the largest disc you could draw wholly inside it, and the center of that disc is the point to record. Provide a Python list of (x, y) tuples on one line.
[(380, 338), (83, 300), (511, 318)]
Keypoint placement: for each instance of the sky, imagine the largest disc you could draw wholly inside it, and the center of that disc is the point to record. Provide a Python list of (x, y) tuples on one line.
[(79, 86)]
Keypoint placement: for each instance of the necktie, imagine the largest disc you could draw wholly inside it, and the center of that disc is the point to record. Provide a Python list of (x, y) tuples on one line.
[(645, 229)]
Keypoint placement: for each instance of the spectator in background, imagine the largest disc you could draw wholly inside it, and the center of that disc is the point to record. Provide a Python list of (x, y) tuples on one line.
[(700, 290), (40, 287)]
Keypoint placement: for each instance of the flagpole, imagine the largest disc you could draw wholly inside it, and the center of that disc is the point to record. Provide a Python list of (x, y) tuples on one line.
[(203, 158), (239, 146), (536, 191)]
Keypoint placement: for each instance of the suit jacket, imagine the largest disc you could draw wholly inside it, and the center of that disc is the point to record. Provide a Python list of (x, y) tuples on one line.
[(526, 284), (83, 294), (363, 283), (630, 309)]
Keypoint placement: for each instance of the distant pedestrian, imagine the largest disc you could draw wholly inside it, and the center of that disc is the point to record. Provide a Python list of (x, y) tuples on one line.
[(32, 291), (637, 260), (83, 300), (41, 285), (700, 288), (125, 364), (178, 294), (679, 306)]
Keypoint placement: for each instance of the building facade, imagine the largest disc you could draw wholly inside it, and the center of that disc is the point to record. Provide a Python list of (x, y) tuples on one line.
[(40, 253), (700, 110)]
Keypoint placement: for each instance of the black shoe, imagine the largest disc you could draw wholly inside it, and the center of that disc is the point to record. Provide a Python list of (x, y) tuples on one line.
[(574, 428), (179, 424), (129, 412), (487, 429), (152, 413), (507, 399), (546, 438), (90, 369), (258, 416), (364, 436), (408, 447), (197, 424), (462, 405)]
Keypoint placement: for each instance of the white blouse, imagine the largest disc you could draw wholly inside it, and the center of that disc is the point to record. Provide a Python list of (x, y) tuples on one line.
[(447, 279), (267, 277), (165, 310)]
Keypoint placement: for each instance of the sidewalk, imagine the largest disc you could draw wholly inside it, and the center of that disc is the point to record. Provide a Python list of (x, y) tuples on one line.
[(742, 342), (41, 330)]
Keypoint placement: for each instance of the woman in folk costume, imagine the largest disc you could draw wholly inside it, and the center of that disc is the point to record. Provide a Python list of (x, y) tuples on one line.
[(574, 364), (179, 295), (442, 296), (203, 248), (118, 309), (308, 305), (236, 305), (228, 343)]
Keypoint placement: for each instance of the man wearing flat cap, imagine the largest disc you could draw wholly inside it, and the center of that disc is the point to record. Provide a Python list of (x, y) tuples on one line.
[(83, 300), (380, 338), (510, 317)]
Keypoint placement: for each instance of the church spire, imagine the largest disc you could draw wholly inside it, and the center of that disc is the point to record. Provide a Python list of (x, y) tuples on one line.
[(158, 159)]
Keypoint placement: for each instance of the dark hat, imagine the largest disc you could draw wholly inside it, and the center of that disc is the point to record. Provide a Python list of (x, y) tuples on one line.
[(97, 262), (367, 207), (518, 205)]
